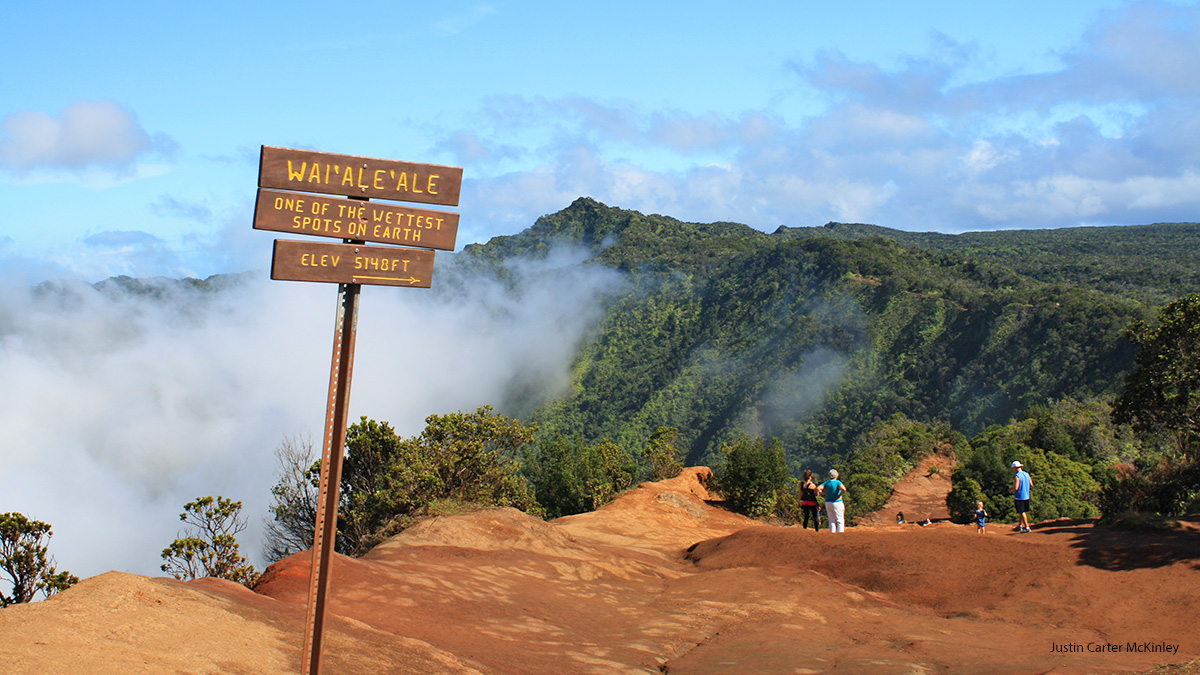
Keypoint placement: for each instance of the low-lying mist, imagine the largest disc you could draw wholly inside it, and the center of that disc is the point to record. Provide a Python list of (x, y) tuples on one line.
[(118, 408)]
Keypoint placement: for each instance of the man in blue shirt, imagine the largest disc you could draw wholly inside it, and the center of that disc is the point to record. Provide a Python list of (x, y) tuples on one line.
[(1022, 487)]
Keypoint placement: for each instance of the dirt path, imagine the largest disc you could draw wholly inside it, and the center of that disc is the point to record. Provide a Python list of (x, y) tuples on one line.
[(919, 495)]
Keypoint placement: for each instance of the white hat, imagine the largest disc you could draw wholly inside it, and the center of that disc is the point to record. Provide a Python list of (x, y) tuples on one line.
[(1017, 465)]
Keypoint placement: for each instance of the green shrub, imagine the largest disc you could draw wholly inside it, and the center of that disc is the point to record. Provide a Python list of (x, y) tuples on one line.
[(572, 476), (751, 476), (865, 493), (466, 457), (964, 494), (660, 458)]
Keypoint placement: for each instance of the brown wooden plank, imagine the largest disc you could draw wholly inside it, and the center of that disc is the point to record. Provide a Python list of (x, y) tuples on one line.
[(383, 222), (296, 260), (352, 176)]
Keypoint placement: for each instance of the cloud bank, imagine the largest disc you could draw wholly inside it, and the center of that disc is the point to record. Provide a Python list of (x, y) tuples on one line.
[(118, 409)]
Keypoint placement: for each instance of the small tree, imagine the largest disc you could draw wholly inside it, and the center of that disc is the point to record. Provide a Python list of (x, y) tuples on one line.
[(660, 459), (751, 476), (294, 511), (572, 476), (965, 493), (25, 562), (460, 458), (210, 547)]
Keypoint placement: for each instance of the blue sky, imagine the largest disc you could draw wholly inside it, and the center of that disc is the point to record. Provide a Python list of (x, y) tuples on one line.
[(129, 137)]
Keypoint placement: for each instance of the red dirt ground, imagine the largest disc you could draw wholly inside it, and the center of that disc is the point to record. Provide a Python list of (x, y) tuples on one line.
[(660, 580)]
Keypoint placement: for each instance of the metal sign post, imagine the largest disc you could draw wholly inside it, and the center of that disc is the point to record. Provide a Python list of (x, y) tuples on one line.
[(336, 414), (285, 177)]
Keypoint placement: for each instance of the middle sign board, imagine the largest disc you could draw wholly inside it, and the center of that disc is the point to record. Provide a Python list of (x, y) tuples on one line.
[(300, 213)]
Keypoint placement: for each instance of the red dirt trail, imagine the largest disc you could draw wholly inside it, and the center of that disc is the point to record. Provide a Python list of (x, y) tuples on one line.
[(660, 580)]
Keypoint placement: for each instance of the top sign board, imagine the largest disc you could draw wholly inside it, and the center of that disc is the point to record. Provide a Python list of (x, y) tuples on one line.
[(327, 173)]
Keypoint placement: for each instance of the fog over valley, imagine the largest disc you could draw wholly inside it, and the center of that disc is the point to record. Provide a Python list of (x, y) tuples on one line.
[(119, 408)]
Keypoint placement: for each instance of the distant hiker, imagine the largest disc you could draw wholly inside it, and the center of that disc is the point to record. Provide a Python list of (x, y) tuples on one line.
[(899, 517), (980, 517), (927, 521), (1022, 487), (808, 501), (835, 509)]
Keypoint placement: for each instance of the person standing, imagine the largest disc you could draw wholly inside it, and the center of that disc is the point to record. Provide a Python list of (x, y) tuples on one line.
[(1022, 489), (835, 508), (808, 501)]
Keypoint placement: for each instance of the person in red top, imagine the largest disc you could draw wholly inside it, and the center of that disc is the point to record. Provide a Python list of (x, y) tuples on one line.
[(808, 501)]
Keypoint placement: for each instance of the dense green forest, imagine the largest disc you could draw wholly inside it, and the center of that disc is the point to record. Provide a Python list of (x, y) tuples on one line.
[(815, 335)]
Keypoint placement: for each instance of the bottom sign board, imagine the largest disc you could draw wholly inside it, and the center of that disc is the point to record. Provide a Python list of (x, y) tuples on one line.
[(351, 264)]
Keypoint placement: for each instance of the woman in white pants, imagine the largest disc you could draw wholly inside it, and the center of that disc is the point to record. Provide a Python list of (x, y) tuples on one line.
[(835, 508)]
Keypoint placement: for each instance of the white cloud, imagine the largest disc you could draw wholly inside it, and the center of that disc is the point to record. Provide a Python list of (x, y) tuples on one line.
[(135, 407), (86, 135)]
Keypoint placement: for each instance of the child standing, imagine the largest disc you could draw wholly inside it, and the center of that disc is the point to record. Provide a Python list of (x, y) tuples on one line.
[(980, 517)]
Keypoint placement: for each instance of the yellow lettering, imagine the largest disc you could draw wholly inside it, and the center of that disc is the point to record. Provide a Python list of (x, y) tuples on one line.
[(296, 175), (378, 184), (416, 235), (439, 224), (403, 182), (296, 220), (414, 187), (316, 173), (360, 183), (431, 185), (348, 177)]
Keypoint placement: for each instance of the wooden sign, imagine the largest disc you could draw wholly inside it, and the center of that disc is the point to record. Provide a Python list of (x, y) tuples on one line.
[(327, 173), (351, 264), (382, 222)]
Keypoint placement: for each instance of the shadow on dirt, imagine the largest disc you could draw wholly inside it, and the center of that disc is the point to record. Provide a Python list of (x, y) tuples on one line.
[(1112, 548)]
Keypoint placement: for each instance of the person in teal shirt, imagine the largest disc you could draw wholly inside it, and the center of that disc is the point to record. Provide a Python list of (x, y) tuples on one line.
[(835, 508)]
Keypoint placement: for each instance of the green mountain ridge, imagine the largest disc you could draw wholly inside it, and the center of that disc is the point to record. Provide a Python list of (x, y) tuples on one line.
[(814, 334)]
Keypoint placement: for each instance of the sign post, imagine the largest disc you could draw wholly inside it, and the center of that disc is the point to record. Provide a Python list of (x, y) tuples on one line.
[(285, 179), (336, 414)]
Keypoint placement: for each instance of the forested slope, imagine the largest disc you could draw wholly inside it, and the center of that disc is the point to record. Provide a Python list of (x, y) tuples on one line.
[(814, 334)]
